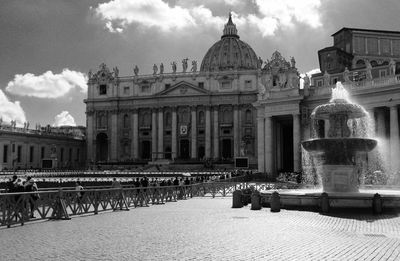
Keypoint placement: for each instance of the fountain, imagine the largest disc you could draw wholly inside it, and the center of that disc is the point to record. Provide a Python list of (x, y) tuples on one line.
[(338, 151), (338, 168)]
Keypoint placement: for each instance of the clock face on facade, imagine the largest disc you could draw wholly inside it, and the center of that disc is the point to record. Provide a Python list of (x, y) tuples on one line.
[(183, 130)]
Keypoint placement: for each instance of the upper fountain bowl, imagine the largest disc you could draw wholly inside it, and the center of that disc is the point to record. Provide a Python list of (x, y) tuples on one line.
[(338, 107)]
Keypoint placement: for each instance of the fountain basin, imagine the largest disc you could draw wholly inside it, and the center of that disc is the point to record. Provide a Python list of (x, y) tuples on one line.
[(339, 145), (311, 198)]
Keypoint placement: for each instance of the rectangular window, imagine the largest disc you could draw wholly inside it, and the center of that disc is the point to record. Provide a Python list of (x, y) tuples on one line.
[(126, 90), (42, 151), (226, 85), (382, 73), (319, 83), (247, 84), (31, 151), (19, 153), (167, 86), (103, 89), (5, 153), (145, 88), (201, 85), (62, 154)]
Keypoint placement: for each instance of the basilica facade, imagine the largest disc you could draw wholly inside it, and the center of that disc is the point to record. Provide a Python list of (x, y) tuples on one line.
[(237, 105)]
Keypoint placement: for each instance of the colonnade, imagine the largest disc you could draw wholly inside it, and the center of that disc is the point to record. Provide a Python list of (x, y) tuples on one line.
[(266, 139), (211, 129), (390, 144)]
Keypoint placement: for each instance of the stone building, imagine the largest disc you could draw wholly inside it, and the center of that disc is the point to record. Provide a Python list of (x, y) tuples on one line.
[(236, 104), (186, 115), (42, 147)]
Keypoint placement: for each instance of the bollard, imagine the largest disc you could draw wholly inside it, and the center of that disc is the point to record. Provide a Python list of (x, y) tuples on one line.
[(377, 204), (275, 202), (237, 199), (324, 202), (255, 200)]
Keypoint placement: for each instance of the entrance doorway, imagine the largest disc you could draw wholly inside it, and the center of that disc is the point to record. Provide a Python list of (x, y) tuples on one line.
[(201, 152), (284, 144), (101, 147), (146, 149), (226, 148), (168, 153), (184, 149)]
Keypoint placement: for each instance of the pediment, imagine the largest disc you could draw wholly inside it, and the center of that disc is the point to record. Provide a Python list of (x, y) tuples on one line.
[(183, 89)]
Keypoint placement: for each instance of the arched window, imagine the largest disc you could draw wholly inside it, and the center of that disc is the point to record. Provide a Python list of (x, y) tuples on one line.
[(201, 118), (360, 63), (248, 116), (126, 121), (168, 120)]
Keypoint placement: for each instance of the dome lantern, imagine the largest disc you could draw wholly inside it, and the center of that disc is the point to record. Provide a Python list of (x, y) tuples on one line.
[(230, 28)]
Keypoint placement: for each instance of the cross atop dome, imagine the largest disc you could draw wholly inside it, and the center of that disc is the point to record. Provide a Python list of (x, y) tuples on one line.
[(230, 28)]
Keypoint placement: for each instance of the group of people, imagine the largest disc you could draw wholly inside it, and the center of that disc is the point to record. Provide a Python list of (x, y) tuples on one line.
[(16, 185)]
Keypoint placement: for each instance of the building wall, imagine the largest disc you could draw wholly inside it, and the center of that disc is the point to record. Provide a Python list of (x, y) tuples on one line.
[(25, 141)]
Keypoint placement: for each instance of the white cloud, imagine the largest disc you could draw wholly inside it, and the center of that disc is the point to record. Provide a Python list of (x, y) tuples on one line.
[(64, 119), (47, 85), (148, 13), (10, 111), (266, 19)]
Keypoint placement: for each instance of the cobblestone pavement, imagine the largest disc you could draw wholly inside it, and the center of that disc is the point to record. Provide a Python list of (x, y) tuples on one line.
[(206, 229)]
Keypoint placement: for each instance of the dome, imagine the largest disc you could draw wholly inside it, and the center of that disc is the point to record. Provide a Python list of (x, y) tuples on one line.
[(229, 53)]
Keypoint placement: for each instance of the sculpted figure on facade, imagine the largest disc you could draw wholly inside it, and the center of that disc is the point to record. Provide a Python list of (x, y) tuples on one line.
[(327, 78), (161, 68), (346, 74), (282, 80), (185, 64), (260, 63), (392, 67), (136, 70), (293, 62), (173, 64), (155, 69), (194, 66), (369, 68), (90, 74), (261, 91), (116, 71), (306, 80)]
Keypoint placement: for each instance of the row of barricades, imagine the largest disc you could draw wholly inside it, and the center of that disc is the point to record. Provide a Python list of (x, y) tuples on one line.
[(19, 208)]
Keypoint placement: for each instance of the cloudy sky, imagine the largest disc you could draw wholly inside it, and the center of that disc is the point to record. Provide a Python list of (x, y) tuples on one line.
[(48, 46)]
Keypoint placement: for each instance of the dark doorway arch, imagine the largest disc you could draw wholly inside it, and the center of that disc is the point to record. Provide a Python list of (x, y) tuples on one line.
[(226, 148), (101, 147), (184, 149), (201, 152), (146, 149), (168, 153)]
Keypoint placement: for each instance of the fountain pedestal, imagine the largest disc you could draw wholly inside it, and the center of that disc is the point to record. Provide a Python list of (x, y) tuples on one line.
[(339, 178)]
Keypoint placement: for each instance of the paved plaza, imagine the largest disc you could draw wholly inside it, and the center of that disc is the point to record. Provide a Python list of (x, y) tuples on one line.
[(206, 229)]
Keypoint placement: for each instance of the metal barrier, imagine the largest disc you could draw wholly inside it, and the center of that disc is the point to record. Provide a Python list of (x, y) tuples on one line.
[(19, 208)]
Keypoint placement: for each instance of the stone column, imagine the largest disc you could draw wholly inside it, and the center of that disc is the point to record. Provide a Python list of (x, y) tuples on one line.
[(236, 138), (114, 135), (173, 134), (394, 139), (194, 132), (153, 134), (380, 123), (216, 132), (135, 135), (208, 132), (268, 145), (260, 144), (296, 143), (89, 138), (371, 123), (326, 127), (160, 147)]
